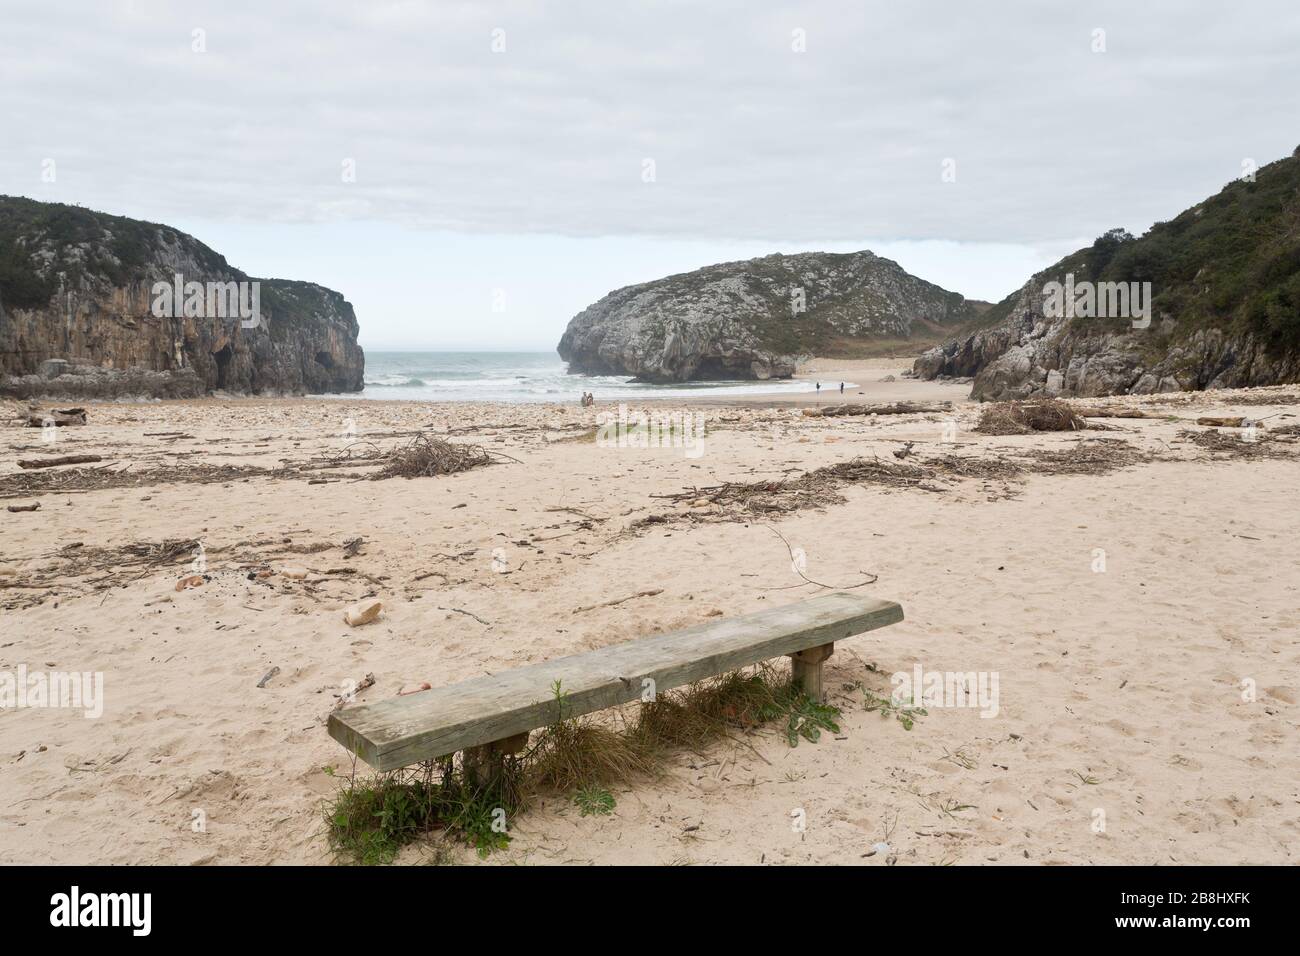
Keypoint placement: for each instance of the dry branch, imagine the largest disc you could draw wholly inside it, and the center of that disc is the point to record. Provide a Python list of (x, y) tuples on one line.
[(899, 408), (53, 462), (631, 597)]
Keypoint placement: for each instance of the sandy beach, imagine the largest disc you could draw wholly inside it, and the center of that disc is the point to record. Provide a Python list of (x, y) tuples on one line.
[(1133, 590)]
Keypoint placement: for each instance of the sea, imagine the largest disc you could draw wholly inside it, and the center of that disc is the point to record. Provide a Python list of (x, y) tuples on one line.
[(525, 377)]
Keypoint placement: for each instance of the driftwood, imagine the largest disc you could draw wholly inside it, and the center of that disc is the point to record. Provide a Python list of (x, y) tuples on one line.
[(900, 408), (65, 460), (345, 699), (35, 506), (1113, 413), (57, 416), (639, 594), (1223, 422)]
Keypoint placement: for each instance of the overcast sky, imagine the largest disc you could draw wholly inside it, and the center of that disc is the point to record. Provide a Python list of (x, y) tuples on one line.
[(554, 151)]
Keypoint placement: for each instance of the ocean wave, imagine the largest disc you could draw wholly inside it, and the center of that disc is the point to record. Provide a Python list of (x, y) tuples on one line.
[(387, 382), (519, 377)]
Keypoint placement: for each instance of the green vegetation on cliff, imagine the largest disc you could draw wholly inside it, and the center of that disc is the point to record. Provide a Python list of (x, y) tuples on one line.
[(1231, 262), (82, 242)]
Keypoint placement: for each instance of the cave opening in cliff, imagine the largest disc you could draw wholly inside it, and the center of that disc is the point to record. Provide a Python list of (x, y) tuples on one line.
[(714, 369), (223, 357), (325, 359)]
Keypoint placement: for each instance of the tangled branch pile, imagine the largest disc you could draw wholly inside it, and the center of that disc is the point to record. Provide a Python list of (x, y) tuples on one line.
[(425, 457), (808, 490), (117, 475), (1095, 456), (1022, 418), (1212, 440)]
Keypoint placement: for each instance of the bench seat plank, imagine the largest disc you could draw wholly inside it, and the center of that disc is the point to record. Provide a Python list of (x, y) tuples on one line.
[(404, 730)]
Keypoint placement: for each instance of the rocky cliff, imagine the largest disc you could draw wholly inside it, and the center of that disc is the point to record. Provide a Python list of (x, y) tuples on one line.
[(751, 319), (78, 286), (1224, 308)]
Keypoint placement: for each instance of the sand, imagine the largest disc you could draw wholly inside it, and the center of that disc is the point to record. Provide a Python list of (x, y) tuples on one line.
[(1123, 734)]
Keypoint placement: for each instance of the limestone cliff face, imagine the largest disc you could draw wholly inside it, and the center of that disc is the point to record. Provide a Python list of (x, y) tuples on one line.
[(1224, 282), (751, 319), (1030, 354), (78, 285)]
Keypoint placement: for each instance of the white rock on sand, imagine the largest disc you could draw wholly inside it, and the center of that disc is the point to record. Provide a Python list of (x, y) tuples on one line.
[(363, 612)]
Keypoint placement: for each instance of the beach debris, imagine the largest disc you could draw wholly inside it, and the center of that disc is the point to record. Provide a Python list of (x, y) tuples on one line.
[(1263, 396), (344, 699), (352, 547), (107, 476), (1087, 456), (414, 688), (901, 453), (651, 592), (57, 416), (267, 676), (189, 581), (34, 506), (363, 612), (1263, 446), (809, 489), (293, 573), (466, 613), (1024, 417), (62, 460), (797, 560), (1115, 411), (897, 408), (1207, 420), (425, 456)]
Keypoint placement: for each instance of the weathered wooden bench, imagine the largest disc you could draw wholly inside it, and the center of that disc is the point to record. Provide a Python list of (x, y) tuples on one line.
[(488, 717)]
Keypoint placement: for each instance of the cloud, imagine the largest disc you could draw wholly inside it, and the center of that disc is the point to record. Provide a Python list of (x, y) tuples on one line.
[(750, 140)]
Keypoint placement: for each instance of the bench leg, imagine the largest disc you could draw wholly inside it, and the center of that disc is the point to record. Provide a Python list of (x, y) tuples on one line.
[(484, 765), (806, 667)]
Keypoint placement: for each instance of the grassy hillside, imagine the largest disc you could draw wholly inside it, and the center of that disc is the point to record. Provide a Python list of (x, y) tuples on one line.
[(1231, 262)]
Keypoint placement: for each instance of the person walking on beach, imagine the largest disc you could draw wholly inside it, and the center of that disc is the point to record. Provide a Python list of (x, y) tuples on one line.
[(841, 388), (819, 388)]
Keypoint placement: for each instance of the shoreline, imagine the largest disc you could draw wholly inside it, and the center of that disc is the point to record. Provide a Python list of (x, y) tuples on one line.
[(866, 381)]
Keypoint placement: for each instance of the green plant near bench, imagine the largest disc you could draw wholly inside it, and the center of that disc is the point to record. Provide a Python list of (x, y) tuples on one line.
[(371, 818)]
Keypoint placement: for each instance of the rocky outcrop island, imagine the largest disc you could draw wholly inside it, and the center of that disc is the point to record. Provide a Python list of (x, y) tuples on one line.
[(755, 318)]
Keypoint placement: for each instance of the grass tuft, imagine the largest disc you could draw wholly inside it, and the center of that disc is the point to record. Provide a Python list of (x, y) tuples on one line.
[(573, 753), (370, 820)]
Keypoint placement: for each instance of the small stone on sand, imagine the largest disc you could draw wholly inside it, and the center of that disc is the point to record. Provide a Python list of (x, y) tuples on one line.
[(363, 612)]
